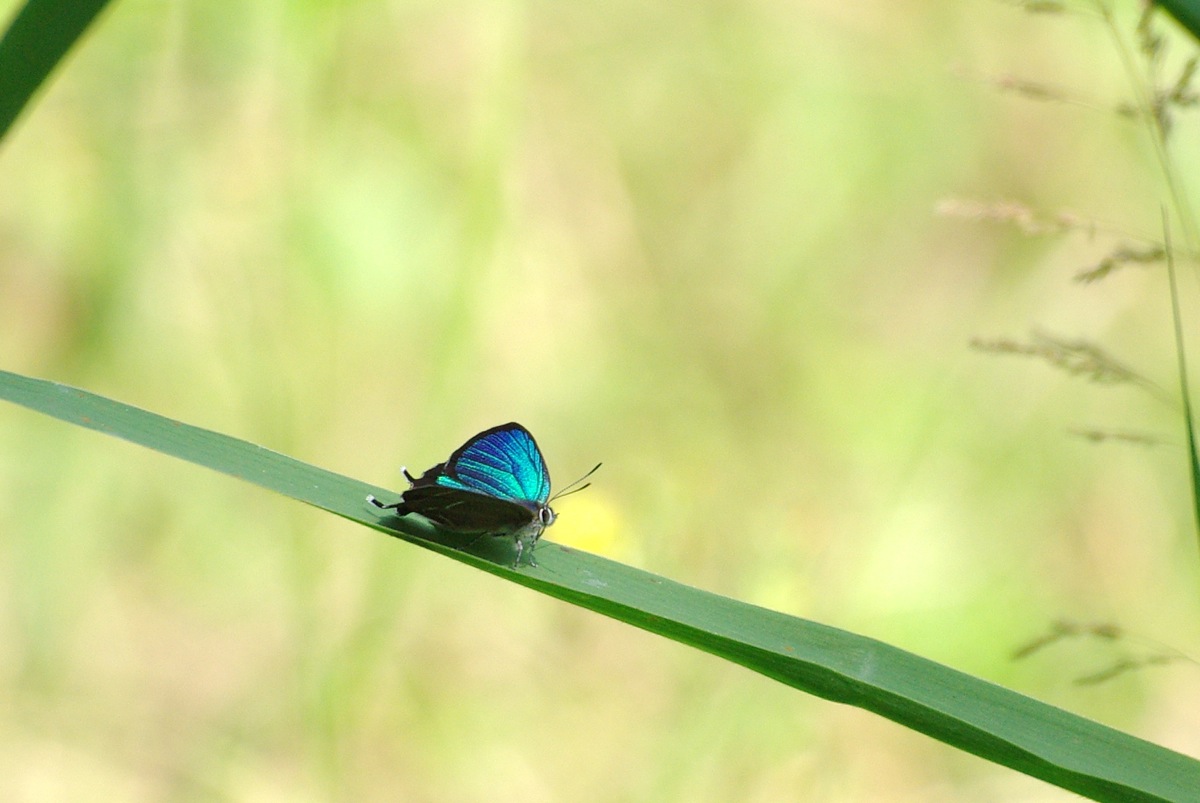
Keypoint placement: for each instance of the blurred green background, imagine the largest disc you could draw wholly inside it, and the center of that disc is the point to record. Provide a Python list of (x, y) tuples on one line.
[(694, 241)]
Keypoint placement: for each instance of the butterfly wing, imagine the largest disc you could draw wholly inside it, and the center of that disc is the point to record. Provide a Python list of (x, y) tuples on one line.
[(502, 462), (496, 482), (466, 511)]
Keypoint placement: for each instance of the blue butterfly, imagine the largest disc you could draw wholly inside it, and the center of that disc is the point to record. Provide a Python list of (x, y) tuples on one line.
[(496, 483)]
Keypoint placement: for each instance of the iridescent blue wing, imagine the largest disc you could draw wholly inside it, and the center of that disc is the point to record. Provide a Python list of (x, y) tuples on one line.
[(503, 462)]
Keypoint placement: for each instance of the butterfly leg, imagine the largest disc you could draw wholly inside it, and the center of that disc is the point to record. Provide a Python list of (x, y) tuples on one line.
[(520, 541), (526, 538)]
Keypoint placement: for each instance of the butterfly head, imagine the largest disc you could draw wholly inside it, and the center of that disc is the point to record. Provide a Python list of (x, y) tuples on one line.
[(527, 536), (542, 516)]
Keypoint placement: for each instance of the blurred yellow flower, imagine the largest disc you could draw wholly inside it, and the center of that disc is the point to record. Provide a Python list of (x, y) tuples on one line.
[(589, 521)]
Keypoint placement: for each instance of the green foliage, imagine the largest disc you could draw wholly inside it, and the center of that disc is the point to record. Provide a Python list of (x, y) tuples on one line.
[(34, 43), (1186, 11), (1184, 388)]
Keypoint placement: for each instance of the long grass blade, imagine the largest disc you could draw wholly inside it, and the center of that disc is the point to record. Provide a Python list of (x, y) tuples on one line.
[(1181, 357), (963, 711), (1186, 12), (36, 41)]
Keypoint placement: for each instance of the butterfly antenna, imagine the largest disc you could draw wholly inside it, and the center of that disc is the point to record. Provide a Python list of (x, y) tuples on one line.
[(570, 489)]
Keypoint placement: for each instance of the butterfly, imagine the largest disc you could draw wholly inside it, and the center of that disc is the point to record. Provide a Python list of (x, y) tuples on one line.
[(496, 483)]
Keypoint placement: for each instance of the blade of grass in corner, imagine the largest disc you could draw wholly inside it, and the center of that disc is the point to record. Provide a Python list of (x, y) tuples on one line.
[(36, 41), (963, 711), (1185, 12), (1181, 356)]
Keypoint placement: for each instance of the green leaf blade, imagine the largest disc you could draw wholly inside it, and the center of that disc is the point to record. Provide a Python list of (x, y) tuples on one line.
[(1185, 12), (971, 714), (36, 40)]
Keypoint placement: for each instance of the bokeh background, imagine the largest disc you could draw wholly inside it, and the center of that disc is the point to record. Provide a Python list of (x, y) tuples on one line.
[(696, 241)]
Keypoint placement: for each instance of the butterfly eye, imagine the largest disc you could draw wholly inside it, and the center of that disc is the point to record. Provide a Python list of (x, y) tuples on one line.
[(546, 516)]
